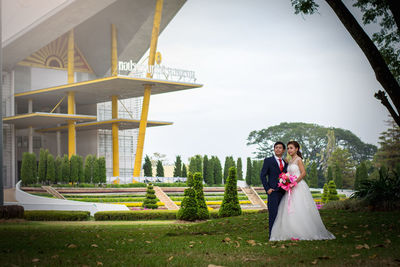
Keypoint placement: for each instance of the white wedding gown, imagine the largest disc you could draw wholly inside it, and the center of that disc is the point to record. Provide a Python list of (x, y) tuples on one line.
[(303, 221)]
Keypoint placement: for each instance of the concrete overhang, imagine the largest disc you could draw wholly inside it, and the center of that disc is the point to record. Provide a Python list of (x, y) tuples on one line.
[(124, 124), (99, 90), (91, 21), (41, 119)]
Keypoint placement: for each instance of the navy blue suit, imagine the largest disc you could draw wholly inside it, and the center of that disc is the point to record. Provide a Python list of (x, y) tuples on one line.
[(271, 169)]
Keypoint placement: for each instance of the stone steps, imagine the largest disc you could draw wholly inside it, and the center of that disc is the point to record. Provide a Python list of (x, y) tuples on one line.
[(254, 198), (160, 194)]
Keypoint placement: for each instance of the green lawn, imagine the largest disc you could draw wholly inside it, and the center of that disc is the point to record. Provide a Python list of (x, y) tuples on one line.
[(363, 239)]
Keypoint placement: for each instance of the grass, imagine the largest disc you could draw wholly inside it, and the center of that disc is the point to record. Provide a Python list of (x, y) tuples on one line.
[(236, 241)]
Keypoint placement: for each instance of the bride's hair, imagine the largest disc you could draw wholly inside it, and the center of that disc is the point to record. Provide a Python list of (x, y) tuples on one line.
[(296, 145)]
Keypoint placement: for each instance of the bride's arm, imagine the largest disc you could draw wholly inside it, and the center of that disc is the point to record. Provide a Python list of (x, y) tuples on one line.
[(302, 171)]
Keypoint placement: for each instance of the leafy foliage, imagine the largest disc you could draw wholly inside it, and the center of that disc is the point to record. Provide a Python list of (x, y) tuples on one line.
[(208, 170), (178, 167), (239, 167), (151, 200), (65, 169), (160, 169), (42, 165), (28, 168), (102, 170), (313, 176), (147, 167), (57, 166), (229, 162), (50, 171), (230, 205), (202, 210), (325, 194), (189, 208), (217, 170), (389, 152), (333, 195), (184, 170), (74, 169), (196, 164), (249, 172)]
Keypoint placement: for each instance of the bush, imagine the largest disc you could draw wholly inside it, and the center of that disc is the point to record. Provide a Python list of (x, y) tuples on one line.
[(347, 204), (202, 211), (57, 166), (11, 212), (382, 193), (150, 202), (189, 180), (65, 169), (102, 170), (230, 205), (325, 194), (28, 168), (42, 165), (81, 175), (74, 169), (333, 195), (135, 215), (56, 215), (189, 209)]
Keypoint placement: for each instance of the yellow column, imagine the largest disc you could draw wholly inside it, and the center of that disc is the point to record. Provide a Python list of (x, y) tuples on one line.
[(115, 140), (114, 51), (71, 95), (147, 90)]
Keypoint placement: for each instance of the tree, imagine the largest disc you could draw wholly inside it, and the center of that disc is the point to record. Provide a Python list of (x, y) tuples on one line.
[(342, 159), (160, 169), (313, 140), (329, 175), (384, 59), (96, 170), (50, 170), (202, 210), (208, 171), (196, 164), (178, 167), (147, 167), (313, 176), (184, 170), (74, 169), (42, 165), (57, 165), (388, 153), (239, 168), (188, 210), (361, 175), (28, 170), (325, 194), (65, 169), (230, 204), (150, 201), (229, 162), (256, 166), (338, 177), (217, 170), (81, 174), (89, 169), (189, 180), (333, 195), (102, 170), (249, 172)]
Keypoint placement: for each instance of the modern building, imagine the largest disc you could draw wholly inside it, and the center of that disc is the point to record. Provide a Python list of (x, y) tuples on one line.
[(72, 82)]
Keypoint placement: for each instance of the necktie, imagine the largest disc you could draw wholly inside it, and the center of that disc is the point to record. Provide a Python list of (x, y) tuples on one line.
[(280, 165)]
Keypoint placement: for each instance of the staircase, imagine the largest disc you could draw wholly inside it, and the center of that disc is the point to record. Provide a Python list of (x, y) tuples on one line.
[(160, 194), (254, 198), (53, 192)]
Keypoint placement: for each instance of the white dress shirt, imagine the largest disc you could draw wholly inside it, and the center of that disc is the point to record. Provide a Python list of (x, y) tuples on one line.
[(277, 161)]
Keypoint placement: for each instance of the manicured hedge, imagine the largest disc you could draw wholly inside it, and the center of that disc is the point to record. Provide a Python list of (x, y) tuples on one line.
[(56, 215), (11, 212), (105, 200), (137, 215)]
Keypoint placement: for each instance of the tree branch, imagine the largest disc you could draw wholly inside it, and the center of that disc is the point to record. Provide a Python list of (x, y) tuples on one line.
[(378, 64), (385, 101), (395, 9)]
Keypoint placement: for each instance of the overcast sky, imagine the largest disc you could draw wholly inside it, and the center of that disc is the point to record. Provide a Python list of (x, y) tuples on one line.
[(260, 65)]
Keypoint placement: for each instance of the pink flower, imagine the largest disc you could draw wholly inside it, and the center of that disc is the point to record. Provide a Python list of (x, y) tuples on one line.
[(295, 239)]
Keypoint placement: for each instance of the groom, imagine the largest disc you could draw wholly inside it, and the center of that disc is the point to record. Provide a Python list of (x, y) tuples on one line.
[(272, 168)]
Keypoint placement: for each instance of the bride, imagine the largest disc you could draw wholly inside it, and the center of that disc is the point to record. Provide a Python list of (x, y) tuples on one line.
[(298, 217)]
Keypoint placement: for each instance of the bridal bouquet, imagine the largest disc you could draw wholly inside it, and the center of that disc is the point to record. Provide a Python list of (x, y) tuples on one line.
[(287, 182)]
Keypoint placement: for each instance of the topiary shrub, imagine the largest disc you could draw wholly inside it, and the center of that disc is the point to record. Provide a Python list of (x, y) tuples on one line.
[(189, 180), (102, 170), (202, 211), (81, 175), (65, 169), (11, 212), (151, 201), (325, 194), (230, 205), (42, 165), (135, 215), (189, 209), (74, 169), (333, 195), (57, 166), (56, 215), (28, 169)]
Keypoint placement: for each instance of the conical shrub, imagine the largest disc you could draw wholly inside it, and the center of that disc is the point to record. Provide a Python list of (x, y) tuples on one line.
[(151, 200), (202, 211), (189, 209), (230, 205), (325, 194), (333, 195)]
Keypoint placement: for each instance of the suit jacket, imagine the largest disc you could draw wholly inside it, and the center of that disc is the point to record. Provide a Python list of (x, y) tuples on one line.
[(271, 169)]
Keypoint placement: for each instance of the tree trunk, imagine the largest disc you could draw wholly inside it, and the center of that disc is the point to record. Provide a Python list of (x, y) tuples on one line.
[(378, 64)]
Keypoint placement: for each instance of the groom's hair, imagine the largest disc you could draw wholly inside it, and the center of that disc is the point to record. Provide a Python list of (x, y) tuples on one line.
[(280, 143)]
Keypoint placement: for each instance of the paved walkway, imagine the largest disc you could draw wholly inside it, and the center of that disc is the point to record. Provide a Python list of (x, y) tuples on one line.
[(169, 204)]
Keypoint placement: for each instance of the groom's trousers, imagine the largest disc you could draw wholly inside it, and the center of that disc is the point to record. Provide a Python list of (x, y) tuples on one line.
[(273, 203)]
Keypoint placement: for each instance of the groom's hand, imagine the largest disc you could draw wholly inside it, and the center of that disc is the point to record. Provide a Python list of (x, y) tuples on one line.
[(270, 191)]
